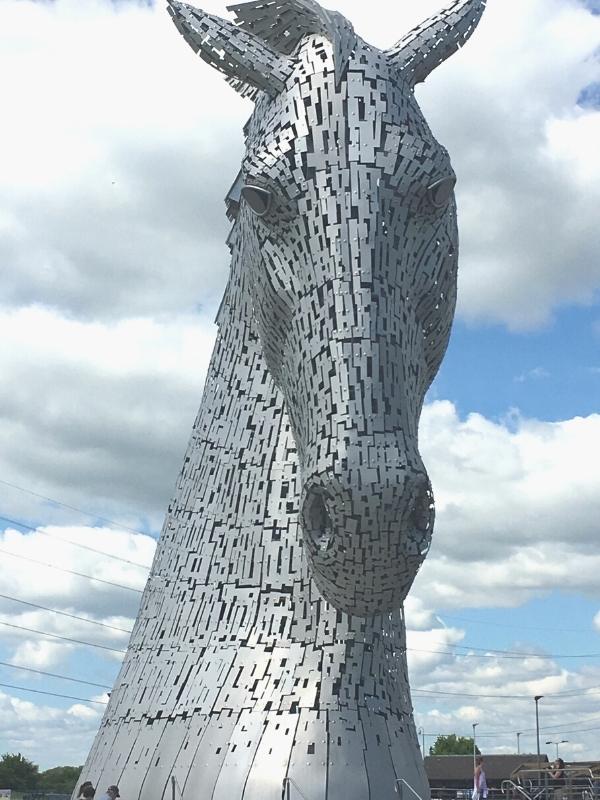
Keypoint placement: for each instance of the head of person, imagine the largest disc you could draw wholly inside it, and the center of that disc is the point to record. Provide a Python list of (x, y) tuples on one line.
[(113, 792), (479, 761), (88, 792), (83, 787)]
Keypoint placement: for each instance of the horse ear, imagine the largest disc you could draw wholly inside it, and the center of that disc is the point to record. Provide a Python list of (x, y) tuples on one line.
[(249, 63), (431, 43)]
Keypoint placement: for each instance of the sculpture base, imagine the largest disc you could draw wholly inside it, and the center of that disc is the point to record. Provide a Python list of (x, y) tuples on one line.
[(322, 755)]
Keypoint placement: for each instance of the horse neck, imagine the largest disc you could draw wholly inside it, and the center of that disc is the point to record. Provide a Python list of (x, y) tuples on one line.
[(230, 557)]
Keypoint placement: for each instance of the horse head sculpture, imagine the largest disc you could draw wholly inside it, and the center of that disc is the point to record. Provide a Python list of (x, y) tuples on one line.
[(346, 215)]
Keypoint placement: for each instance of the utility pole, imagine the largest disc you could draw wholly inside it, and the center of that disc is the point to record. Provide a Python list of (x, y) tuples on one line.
[(475, 724), (562, 741), (519, 742), (422, 734), (537, 699)]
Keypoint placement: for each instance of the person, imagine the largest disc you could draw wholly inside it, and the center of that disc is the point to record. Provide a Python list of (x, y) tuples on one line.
[(480, 788), (557, 773), (111, 793)]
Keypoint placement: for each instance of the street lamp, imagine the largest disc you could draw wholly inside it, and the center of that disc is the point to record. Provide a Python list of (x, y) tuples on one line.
[(519, 742), (537, 699), (562, 741), (475, 724)]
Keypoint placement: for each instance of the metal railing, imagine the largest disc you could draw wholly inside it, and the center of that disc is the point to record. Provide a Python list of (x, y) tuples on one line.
[(577, 784), (287, 784), (399, 785), (510, 787), (174, 788)]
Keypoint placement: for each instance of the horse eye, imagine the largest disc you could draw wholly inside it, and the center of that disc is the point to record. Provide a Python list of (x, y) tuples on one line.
[(258, 199), (440, 192)]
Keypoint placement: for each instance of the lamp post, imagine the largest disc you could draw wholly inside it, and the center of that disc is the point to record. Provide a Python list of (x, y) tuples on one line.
[(519, 742), (475, 724), (562, 741), (537, 699)]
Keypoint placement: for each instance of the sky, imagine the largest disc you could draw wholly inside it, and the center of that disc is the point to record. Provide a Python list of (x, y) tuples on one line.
[(117, 147)]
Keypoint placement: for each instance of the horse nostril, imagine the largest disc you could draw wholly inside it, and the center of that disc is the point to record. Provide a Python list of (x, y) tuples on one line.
[(317, 523)]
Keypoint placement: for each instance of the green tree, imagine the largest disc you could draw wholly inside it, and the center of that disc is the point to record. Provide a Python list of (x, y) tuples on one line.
[(17, 772), (59, 779), (453, 745)]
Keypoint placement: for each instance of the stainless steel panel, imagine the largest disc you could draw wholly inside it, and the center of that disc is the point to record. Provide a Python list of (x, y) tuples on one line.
[(303, 509)]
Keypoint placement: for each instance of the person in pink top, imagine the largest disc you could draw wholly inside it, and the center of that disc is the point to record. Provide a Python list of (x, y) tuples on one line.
[(480, 789)]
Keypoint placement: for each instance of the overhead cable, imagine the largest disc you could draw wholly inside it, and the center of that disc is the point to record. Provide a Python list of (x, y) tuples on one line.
[(66, 614), (505, 696), (71, 508), (53, 675), (69, 571), (74, 544), (436, 692), (510, 655), (512, 626), (489, 653), (63, 638), (53, 694)]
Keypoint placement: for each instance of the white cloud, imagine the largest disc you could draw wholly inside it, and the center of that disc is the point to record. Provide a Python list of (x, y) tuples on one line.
[(98, 414), (517, 508), (83, 712), (430, 647), (40, 654), (112, 231), (498, 695), (48, 734), (517, 504), (528, 167), (111, 172), (116, 209), (72, 594), (535, 374), (418, 616)]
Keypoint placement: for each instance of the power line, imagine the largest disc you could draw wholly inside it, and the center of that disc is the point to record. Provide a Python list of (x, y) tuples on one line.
[(71, 508), (69, 571), (490, 734), (74, 544), (442, 617), (510, 655), (564, 695), (544, 729), (66, 614), (53, 675), (489, 654), (572, 693), (64, 638), (575, 730), (497, 734), (53, 694)]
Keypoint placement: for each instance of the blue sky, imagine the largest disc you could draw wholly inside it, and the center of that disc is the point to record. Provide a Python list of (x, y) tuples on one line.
[(550, 373), (112, 235)]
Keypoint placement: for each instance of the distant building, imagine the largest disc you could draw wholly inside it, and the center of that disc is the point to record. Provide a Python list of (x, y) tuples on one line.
[(456, 772)]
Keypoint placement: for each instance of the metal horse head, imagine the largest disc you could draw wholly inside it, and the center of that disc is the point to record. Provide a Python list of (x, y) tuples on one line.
[(346, 215)]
